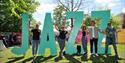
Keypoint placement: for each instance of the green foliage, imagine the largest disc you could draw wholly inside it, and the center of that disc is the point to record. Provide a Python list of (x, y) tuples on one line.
[(116, 21), (10, 12), (59, 15), (87, 21)]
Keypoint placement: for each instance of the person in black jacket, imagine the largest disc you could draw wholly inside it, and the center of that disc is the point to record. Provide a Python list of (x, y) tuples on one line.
[(35, 39), (61, 40)]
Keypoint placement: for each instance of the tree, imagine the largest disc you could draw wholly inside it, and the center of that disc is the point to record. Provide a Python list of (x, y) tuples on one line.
[(10, 12), (71, 5), (87, 21), (59, 15), (116, 21)]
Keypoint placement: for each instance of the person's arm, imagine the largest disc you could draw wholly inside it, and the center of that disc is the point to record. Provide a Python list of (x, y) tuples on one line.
[(66, 32), (89, 29), (56, 27), (118, 30), (106, 31), (40, 31), (87, 32), (31, 30), (101, 31)]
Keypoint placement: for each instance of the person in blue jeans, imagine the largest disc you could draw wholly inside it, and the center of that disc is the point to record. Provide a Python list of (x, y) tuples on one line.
[(35, 39), (84, 39), (111, 38), (61, 40)]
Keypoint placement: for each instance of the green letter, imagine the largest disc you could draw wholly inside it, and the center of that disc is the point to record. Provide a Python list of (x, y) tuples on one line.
[(78, 16), (105, 16), (47, 36), (25, 36)]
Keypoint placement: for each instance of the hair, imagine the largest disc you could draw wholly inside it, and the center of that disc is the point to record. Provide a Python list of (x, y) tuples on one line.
[(37, 25), (62, 26), (84, 28), (109, 23), (93, 21)]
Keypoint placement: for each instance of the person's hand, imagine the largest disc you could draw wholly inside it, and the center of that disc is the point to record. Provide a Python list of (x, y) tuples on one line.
[(119, 30)]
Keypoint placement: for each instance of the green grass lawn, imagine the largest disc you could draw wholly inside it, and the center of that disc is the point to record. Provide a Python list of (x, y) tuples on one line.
[(7, 57)]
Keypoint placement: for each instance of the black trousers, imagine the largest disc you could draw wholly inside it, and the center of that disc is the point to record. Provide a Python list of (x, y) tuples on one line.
[(79, 49), (94, 41)]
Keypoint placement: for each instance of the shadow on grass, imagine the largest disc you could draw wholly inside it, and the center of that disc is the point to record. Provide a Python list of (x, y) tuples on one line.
[(14, 59), (112, 59), (71, 59), (103, 59), (68, 57), (40, 59), (84, 58), (26, 60)]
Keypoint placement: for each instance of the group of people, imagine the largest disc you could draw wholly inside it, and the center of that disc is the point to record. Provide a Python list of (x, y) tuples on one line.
[(81, 39)]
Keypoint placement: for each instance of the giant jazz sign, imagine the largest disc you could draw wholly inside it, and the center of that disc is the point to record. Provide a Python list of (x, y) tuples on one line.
[(48, 31)]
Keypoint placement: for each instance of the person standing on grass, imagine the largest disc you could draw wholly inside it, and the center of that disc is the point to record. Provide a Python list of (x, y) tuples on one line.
[(78, 42), (84, 39), (111, 38), (35, 39), (93, 31), (61, 40)]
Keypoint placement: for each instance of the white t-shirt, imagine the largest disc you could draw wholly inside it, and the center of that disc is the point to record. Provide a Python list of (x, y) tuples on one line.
[(93, 31)]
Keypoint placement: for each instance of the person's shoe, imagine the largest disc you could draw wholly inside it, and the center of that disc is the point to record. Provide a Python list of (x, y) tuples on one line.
[(60, 57), (78, 54), (107, 55), (117, 56), (85, 53), (96, 54), (91, 54), (34, 56), (64, 53)]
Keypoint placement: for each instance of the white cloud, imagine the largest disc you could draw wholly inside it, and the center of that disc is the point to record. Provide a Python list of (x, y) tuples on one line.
[(39, 15), (123, 10), (103, 1), (46, 7), (111, 5), (106, 1), (42, 9), (108, 4)]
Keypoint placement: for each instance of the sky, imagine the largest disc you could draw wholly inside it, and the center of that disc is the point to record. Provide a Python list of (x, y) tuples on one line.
[(47, 6)]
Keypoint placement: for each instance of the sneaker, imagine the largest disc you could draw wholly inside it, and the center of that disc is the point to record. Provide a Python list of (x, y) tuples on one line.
[(106, 55), (85, 53), (117, 56), (91, 54), (96, 54)]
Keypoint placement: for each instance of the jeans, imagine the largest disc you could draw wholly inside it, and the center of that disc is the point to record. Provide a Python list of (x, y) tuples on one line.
[(110, 41), (61, 44), (84, 43), (35, 44)]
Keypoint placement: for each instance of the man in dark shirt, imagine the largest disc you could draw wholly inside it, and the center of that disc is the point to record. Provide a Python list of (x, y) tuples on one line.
[(35, 39), (111, 38), (61, 41)]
